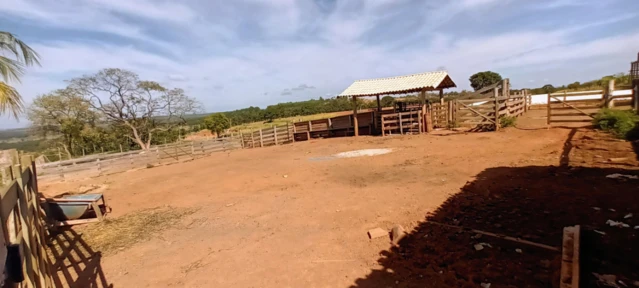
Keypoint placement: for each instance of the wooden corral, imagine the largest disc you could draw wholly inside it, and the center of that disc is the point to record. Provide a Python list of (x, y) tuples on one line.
[(23, 229)]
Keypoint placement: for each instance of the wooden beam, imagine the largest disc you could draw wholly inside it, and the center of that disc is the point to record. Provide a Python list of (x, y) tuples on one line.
[(379, 104), (496, 93), (548, 115), (355, 121), (636, 100), (611, 88), (441, 96)]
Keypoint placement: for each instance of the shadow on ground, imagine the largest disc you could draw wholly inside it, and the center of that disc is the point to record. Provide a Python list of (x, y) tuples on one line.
[(74, 263), (532, 203)]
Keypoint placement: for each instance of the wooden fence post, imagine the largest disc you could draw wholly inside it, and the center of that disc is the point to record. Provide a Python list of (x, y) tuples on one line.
[(496, 94), (636, 100), (525, 101), (548, 108), (608, 95), (401, 127), (121, 148), (294, 131), (275, 133), (252, 139), (261, 139)]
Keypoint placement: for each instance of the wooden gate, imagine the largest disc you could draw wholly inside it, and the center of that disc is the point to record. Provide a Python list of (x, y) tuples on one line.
[(574, 107), (483, 113), (23, 225)]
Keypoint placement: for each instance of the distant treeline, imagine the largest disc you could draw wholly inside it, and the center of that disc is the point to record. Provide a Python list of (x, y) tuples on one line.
[(621, 79)]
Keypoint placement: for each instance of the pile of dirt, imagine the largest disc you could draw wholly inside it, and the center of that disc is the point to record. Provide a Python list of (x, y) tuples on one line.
[(202, 134)]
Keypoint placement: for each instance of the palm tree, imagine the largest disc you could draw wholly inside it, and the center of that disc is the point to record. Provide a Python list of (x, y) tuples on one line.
[(10, 99)]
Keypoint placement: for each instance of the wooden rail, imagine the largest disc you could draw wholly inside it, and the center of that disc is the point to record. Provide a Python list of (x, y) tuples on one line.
[(97, 165), (23, 225)]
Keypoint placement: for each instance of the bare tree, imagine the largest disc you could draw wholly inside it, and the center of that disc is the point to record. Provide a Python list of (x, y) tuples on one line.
[(141, 106)]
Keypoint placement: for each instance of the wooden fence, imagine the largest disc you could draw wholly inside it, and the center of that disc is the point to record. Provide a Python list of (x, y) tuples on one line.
[(275, 135), (486, 113), (581, 107), (402, 123), (104, 164), (23, 227)]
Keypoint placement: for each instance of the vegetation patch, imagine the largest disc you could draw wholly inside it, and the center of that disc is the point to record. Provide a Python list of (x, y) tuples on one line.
[(621, 123), (508, 121), (114, 234)]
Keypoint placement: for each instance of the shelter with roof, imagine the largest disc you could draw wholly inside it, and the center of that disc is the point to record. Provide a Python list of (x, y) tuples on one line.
[(415, 83)]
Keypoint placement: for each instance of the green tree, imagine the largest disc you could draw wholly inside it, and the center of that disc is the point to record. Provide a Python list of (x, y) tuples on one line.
[(217, 123), (387, 101), (548, 88), (12, 70), (64, 115), (482, 79)]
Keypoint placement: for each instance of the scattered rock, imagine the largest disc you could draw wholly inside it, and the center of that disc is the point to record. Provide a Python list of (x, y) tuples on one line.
[(617, 224), (397, 233), (480, 246), (485, 285), (600, 232), (612, 210), (285, 176), (637, 227), (518, 250), (376, 233), (627, 216), (230, 204), (596, 208), (477, 236)]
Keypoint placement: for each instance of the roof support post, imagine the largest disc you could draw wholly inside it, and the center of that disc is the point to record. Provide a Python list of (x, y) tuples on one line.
[(379, 104), (441, 96), (355, 122)]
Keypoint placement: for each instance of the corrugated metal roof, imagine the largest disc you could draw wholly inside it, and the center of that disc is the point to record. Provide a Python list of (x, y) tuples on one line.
[(400, 84)]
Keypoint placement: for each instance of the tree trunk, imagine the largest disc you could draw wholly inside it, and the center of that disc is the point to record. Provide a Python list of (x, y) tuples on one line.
[(136, 137)]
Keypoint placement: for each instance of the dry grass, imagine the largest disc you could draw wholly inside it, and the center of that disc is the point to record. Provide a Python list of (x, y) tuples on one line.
[(120, 233)]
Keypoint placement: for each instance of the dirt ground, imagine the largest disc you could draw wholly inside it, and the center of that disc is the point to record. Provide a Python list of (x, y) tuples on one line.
[(289, 216)]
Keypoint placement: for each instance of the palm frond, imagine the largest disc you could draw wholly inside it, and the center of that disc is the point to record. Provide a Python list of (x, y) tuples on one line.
[(10, 100), (10, 69), (21, 50)]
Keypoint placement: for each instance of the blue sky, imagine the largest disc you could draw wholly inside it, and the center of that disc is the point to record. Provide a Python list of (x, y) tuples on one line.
[(234, 54)]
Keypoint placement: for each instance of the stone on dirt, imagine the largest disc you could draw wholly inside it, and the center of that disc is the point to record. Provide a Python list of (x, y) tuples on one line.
[(397, 233), (376, 233)]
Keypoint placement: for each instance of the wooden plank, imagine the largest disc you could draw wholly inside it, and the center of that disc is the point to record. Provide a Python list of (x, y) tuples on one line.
[(9, 200), (261, 139), (571, 121), (579, 93), (470, 101)]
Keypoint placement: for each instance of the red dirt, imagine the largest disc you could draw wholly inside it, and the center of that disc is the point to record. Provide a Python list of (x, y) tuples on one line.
[(273, 217)]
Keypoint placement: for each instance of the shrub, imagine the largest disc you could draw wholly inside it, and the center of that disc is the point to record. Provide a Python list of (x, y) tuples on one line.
[(508, 121), (621, 123)]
